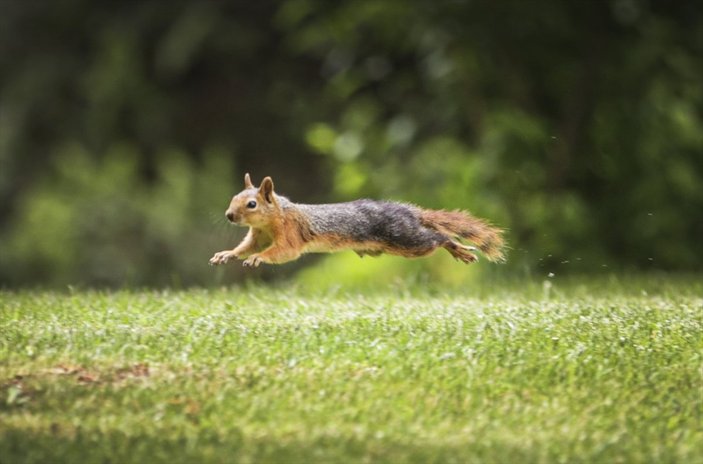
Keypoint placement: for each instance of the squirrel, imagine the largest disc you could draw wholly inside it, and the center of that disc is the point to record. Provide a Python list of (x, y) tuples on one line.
[(281, 231)]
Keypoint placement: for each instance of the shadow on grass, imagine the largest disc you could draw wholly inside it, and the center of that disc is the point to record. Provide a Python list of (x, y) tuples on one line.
[(88, 447)]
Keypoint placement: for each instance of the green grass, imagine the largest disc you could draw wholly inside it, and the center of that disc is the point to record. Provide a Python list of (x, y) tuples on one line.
[(580, 372)]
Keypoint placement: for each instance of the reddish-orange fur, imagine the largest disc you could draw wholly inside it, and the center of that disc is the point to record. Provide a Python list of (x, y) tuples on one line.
[(463, 225)]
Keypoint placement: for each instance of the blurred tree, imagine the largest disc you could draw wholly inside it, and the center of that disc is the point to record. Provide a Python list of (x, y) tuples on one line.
[(129, 97), (125, 127), (577, 125)]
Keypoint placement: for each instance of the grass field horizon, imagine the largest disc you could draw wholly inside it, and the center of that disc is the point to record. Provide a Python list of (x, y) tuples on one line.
[(580, 370)]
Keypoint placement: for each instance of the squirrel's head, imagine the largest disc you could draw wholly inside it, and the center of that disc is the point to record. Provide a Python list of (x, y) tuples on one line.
[(253, 206)]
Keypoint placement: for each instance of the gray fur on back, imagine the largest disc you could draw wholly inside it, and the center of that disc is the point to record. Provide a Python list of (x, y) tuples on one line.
[(369, 220)]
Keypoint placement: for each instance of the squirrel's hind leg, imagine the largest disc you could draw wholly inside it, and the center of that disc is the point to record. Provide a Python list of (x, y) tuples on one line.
[(461, 252)]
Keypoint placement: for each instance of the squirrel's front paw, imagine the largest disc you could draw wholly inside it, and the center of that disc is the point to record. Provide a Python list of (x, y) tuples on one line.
[(222, 257), (253, 261)]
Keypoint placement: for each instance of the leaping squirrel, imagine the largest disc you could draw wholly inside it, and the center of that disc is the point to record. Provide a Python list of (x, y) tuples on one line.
[(281, 231)]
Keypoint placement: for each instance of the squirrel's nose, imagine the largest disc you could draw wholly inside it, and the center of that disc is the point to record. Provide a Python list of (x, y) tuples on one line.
[(230, 216)]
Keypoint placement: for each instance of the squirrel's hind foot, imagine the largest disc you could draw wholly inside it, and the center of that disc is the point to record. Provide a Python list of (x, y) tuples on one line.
[(461, 252)]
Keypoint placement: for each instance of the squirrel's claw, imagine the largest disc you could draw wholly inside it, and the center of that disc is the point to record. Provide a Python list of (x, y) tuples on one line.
[(252, 261), (221, 257)]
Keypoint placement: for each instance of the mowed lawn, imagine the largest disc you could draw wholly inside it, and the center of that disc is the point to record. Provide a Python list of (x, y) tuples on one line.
[(600, 372)]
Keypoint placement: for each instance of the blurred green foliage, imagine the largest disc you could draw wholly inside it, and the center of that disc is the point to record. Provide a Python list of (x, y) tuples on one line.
[(125, 128), (92, 219)]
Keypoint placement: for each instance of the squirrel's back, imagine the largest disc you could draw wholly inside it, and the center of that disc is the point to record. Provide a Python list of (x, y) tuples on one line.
[(366, 221)]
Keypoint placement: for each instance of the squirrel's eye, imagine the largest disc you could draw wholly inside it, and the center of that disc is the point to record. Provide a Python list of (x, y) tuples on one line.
[(251, 204)]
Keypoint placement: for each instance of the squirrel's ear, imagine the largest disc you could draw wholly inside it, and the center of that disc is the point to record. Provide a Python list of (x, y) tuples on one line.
[(266, 189), (247, 181)]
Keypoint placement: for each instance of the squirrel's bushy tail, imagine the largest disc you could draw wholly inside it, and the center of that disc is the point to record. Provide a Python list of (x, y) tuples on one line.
[(461, 224)]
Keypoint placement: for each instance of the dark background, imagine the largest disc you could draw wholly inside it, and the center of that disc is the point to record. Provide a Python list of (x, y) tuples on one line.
[(125, 127)]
